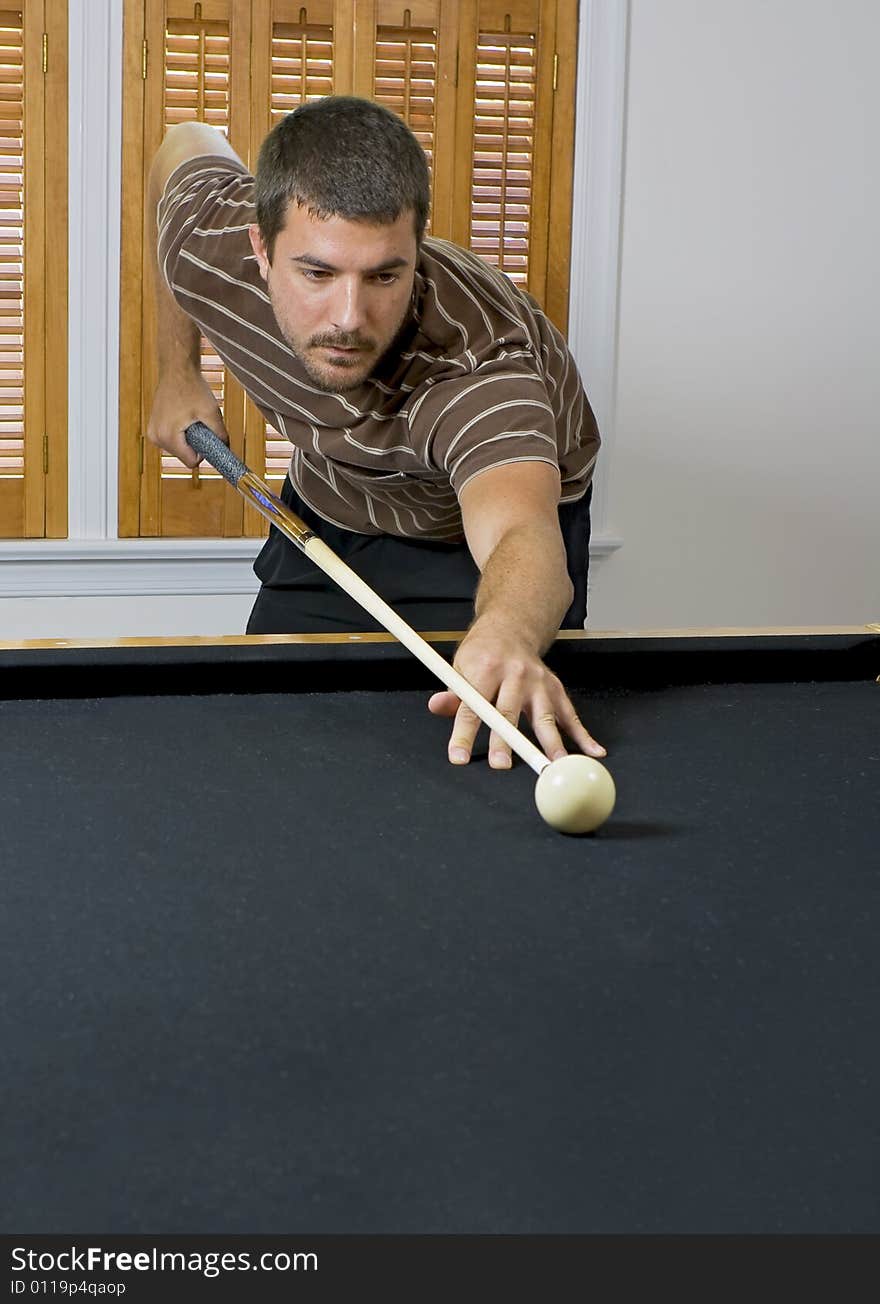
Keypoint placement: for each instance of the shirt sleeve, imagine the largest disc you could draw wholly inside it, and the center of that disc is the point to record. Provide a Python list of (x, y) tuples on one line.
[(210, 267), (204, 199), (498, 415)]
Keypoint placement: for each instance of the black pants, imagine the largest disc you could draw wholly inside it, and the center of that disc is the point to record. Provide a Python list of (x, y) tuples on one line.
[(431, 585)]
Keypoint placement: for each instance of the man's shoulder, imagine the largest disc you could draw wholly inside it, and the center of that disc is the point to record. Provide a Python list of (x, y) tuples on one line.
[(451, 264), (466, 295), (218, 188), (204, 248), (203, 167)]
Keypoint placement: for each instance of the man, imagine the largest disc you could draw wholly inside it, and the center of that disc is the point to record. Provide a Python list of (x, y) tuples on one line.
[(442, 441)]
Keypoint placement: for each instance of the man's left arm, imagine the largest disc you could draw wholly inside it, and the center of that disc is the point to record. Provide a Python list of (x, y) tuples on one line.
[(511, 523)]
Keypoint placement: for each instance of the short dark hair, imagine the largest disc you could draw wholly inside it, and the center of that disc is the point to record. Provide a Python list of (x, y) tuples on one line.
[(341, 156)]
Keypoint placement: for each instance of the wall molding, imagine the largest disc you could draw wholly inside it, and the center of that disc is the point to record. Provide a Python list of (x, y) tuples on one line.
[(95, 191), (62, 568), (127, 567)]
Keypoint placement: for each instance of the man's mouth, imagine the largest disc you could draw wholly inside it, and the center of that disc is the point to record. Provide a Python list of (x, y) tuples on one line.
[(343, 357)]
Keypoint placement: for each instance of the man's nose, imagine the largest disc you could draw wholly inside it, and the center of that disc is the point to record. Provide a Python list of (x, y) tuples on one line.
[(348, 307)]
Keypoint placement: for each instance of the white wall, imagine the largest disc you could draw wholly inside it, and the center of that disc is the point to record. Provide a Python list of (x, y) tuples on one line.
[(744, 466)]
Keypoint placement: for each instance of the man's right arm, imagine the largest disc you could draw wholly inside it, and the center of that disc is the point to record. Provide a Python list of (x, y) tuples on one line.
[(182, 395)]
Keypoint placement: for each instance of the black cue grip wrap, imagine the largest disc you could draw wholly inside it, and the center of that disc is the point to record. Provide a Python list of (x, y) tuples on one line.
[(202, 440)]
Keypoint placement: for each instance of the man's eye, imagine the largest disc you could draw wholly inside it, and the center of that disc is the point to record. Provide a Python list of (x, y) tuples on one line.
[(386, 278), (312, 274)]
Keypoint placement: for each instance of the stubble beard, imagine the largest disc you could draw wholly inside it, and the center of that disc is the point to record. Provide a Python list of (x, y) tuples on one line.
[(333, 379)]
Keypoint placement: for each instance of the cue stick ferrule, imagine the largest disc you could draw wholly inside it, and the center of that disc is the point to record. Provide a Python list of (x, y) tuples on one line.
[(274, 510)]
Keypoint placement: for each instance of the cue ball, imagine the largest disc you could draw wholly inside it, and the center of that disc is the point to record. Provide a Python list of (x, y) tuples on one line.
[(575, 794)]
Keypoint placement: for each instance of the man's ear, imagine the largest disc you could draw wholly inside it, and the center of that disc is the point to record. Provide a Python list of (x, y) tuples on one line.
[(259, 249)]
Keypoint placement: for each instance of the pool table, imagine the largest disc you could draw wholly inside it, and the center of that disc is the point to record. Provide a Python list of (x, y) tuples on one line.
[(272, 965)]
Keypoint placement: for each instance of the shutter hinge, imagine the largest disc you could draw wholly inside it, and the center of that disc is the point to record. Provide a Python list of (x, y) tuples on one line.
[(45, 52), (555, 70), (45, 454), (144, 55), (140, 455)]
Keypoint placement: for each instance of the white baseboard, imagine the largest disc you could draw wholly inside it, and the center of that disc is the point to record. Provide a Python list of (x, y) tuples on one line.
[(83, 568), (67, 568)]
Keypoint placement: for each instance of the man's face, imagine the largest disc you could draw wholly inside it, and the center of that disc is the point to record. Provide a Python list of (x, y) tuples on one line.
[(340, 291)]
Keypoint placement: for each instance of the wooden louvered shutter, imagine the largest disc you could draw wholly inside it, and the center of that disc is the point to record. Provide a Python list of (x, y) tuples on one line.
[(33, 270), (506, 79), (196, 57)]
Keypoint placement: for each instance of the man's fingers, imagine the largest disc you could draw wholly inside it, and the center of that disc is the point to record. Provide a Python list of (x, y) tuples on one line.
[(568, 718), (188, 455), (549, 720), (464, 732), (180, 400), (510, 705), (444, 704), (548, 707), (467, 726), (546, 730), (185, 454), (174, 442)]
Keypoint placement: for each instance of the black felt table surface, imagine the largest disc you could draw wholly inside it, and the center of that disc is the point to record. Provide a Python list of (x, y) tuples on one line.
[(270, 964)]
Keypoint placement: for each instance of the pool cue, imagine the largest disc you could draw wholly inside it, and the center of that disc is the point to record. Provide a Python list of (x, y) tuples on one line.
[(203, 441)]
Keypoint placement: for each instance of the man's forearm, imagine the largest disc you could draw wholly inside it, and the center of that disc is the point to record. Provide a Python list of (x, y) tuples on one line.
[(179, 339), (525, 588)]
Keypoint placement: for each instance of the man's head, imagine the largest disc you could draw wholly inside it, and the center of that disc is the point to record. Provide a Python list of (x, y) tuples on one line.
[(342, 196)]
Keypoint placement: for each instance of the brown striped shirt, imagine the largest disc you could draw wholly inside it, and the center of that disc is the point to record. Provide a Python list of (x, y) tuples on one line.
[(482, 378)]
